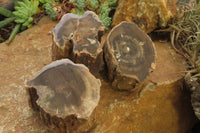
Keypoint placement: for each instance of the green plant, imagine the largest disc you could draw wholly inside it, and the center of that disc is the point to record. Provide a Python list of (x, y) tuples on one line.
[(101, 7), (111, 3), (105, 19), (81, 4), (22, 16), (6, 21), (48, 5), (5, 12), (1, 39), (24, 12), (104, 9), (77, 11), (14, 32), (185, 35), (8, 14), (93, 5)]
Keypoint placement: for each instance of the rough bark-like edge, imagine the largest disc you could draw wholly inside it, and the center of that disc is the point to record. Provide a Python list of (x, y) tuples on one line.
[(193, 85), (59, 53), (56, 125), (94, 63)]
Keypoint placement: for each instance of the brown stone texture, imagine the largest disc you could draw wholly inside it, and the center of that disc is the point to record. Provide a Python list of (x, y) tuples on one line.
[(163, 105), (148, 14)]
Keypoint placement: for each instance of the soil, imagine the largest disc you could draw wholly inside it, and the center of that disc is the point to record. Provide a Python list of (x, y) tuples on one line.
[(163, 105), (5, 32)]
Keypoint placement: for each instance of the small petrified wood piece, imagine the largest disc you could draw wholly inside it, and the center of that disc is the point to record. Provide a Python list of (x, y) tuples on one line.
[(129, 55), (63, 92), (78, 38)]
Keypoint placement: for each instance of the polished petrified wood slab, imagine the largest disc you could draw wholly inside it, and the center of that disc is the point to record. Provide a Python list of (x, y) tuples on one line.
[(63, 92), (129, 54), (78, 38)]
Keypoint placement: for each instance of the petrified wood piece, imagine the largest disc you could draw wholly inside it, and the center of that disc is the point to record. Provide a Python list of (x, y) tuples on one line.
[(62, 92), (78, 38), (193, 84), (129, 55)]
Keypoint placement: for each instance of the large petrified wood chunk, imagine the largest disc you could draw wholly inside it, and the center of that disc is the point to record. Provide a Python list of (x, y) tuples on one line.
[(63, 91), (129, 54), (78, 38)]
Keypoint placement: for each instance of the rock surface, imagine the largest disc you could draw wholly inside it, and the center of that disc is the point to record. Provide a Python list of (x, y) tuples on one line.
[(162, 106), (149, 15), (26, 55)]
